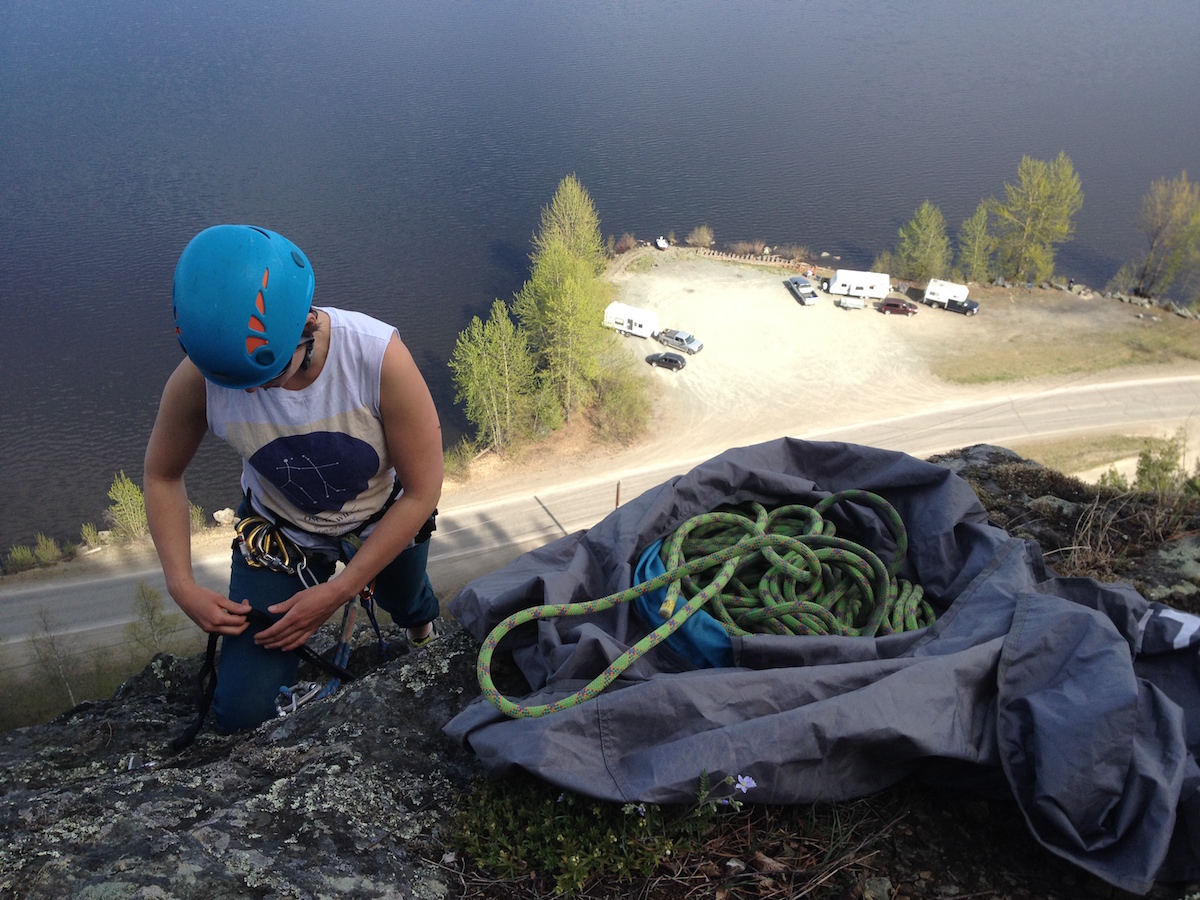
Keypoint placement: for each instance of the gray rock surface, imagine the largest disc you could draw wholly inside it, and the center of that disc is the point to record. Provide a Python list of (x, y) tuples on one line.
[(344, 798)]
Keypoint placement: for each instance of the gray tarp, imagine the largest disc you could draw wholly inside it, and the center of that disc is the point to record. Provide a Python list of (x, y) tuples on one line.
[(1085, 696)]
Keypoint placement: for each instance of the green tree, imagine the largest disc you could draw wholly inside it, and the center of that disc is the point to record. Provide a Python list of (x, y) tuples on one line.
[(562, 309), (523, 379), (924, 249), (886, 262), (621, 410), (1037, 213), (975, 246), (1170, 221), (495, 377), (127, 514), (571, 220)]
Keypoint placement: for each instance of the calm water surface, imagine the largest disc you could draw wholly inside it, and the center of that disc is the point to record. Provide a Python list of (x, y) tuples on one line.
[(408, 149)]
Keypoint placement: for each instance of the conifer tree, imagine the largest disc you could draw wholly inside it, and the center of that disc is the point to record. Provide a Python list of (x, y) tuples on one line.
[(924, 249), (571, 220), (975, 247), (1037, 213)]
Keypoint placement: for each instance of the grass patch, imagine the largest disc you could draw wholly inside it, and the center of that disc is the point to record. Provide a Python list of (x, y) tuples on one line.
[(643, 263), (1071, 352), (1079, 454), (524, 838)]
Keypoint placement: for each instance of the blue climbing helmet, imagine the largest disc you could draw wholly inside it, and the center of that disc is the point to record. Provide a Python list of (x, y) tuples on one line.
[(241, 297)]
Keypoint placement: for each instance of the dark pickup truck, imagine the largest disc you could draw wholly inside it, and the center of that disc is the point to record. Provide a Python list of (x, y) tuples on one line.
[(966, 307)]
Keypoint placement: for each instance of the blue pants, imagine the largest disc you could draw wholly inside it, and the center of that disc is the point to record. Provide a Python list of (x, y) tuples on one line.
[(249, 676)]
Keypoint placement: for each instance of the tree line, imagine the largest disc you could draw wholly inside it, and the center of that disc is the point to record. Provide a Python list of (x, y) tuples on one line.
[(1016, 238), (533, 367), (546, 357)]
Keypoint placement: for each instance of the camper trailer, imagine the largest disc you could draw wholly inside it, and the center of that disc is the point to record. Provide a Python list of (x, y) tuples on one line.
[(868, 285), (951, 296), (630, 319)]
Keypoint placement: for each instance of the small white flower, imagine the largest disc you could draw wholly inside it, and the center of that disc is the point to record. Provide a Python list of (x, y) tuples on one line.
[(744, 783)]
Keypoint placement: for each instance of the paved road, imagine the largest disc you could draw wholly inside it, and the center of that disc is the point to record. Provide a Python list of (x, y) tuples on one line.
[(471, 541)]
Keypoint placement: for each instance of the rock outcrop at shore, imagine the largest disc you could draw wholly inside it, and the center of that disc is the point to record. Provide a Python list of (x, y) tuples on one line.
[(351, 796)]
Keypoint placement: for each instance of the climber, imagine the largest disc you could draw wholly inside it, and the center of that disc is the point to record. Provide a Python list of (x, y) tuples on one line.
[(339, 439)]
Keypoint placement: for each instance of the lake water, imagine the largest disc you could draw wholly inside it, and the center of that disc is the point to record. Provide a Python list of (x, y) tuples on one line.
[(408, 148)]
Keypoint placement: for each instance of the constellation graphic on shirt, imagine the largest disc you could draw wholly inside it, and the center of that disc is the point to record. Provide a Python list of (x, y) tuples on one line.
[(319, 471), (310, 468)]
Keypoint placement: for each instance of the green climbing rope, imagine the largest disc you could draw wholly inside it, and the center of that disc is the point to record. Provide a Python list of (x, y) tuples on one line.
[(780, 571)]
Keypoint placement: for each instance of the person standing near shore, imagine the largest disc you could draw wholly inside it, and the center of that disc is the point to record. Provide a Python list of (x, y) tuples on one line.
[(341, 459)]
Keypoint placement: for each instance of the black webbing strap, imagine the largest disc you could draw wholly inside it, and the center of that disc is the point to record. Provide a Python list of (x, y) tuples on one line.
[(207, 680)]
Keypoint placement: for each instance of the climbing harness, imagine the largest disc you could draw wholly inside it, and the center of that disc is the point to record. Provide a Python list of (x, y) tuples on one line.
[(263, 545), (781, 571)]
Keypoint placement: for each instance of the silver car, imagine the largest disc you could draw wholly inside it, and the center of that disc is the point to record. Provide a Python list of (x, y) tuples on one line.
[(679, 340)]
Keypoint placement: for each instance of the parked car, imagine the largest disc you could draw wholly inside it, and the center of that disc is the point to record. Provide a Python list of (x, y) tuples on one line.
[(679, 340), (897, 305), (803, 290), (672, 361), (966, 307)]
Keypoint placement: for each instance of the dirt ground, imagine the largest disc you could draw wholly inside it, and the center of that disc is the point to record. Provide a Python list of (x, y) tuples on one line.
[(771, 367)]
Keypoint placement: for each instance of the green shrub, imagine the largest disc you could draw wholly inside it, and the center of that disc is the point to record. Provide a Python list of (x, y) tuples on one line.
[(90, 535), (457, 460), (19, 559), (526, 828), (1113, 479), (47, 552), (888, 262), (198, 519), (1160, 467), (700, 236), (626, 243), (127, 514), (797, 253), (747, 248)]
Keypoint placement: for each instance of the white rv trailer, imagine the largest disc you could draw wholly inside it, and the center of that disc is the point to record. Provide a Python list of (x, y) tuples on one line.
[(938, 292), (868, 285), (630, 319)]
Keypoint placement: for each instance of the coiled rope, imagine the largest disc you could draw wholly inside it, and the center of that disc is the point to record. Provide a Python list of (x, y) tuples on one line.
[(780, 571)]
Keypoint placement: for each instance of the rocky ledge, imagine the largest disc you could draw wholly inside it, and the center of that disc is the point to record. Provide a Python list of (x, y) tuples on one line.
[(350, 797)]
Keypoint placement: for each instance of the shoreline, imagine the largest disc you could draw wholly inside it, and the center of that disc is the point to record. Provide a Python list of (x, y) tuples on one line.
[(768, 369)]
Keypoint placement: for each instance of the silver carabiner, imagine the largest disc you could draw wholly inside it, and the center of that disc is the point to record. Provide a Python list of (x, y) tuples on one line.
[(292, 698)]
